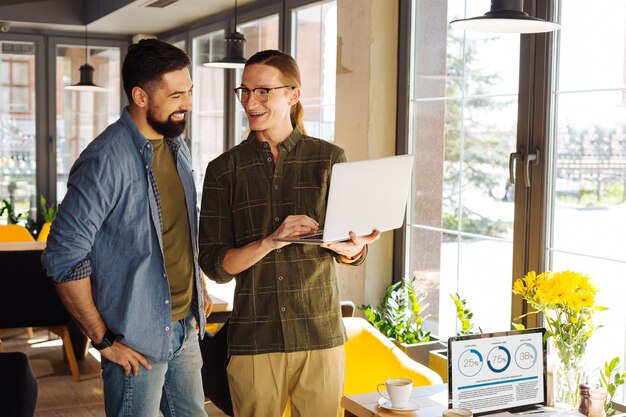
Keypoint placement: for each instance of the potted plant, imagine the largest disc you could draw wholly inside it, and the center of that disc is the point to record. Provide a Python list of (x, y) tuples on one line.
[(400, 317), (12, 216), (611, 379), (438, 358), (48, 212)]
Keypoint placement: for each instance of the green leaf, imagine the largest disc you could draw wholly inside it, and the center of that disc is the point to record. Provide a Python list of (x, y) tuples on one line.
[(401, 312), (519, 326), (611, 379)]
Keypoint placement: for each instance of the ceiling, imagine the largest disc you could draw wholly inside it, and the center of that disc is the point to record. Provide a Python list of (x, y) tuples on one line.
[(122, 17)]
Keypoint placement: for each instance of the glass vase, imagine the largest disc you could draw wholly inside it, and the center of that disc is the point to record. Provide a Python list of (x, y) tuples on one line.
[(567, 377)]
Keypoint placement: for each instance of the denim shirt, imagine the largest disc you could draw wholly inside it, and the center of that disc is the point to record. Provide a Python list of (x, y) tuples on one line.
[(109, 218)]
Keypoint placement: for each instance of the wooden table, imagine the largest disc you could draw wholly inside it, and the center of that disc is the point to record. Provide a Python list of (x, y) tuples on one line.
[(432, 399), (20, 246)]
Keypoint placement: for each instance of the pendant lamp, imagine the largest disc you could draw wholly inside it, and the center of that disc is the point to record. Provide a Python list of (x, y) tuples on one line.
[(86, 75), (506, 16), (234, 43)]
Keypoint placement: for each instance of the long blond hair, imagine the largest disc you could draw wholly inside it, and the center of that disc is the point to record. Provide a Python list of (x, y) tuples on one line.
[(289, 69)]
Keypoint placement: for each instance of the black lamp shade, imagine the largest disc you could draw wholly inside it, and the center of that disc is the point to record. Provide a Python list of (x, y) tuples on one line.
[(234, 42), (506, 16), (86, 80)]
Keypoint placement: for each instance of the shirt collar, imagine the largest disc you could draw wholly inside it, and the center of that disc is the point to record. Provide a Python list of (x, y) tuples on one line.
[(288, 144), (138, 138)]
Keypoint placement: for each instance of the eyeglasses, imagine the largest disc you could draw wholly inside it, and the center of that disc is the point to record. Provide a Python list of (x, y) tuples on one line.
[(261, 94)]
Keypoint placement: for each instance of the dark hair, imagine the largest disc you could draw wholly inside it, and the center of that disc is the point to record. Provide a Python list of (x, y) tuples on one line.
[(147, 60), (288, 67)]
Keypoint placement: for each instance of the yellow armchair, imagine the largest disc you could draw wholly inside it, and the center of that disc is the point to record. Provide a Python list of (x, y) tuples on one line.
[(44, 232), (15, 233), (371, 358)]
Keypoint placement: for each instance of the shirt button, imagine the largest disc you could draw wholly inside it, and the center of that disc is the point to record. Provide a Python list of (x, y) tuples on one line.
[(280, 278), (269, 159), (276, 219), (265, 144), (279, 250), (276, 187), (167, 301), (146, 166), (167, 328), (282, 309)]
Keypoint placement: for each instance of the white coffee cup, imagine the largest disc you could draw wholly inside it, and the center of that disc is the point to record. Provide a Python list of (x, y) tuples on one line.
[(399, 390)]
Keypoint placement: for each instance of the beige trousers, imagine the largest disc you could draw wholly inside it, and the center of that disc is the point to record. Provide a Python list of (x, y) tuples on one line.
[(260, 385)]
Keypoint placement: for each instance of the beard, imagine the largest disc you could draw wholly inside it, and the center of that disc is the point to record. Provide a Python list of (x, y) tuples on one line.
[(169, 127)]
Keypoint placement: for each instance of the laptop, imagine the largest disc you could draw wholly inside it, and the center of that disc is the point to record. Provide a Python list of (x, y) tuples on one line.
[(490, 373), (364, 196)]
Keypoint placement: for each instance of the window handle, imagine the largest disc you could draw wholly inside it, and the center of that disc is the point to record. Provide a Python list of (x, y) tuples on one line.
[(512, 158), (534, 158), (527, 159)]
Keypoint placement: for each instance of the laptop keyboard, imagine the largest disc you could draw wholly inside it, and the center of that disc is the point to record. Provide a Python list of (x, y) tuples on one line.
[(317, 235)]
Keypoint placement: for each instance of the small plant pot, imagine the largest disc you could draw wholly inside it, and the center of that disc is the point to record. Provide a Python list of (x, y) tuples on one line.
[(438, 362), (419, 351)]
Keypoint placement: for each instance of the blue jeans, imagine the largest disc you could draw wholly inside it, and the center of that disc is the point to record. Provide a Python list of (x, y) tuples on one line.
[(174, 387)]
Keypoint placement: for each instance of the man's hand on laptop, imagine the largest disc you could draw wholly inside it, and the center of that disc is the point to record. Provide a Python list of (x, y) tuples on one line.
[(351, 250), (293, 226)]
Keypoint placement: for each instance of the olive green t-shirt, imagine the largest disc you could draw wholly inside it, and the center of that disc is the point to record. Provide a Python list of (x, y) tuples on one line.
[(176, 235)]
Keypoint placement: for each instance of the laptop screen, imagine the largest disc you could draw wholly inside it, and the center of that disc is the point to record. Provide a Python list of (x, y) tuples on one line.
[(492, 372)]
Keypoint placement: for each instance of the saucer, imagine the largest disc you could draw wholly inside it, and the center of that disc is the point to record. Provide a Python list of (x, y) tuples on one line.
[(386, 404)]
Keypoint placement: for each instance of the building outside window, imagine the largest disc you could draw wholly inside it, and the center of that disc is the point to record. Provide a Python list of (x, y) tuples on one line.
[(314, 46), (260, 34), (17, 126), (82, 116), (207, 117)]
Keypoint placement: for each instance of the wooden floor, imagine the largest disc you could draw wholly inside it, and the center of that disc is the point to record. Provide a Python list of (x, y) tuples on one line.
[(59, 395)]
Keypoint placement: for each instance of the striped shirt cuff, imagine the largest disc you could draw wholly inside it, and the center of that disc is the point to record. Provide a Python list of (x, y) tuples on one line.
[(80, 271)]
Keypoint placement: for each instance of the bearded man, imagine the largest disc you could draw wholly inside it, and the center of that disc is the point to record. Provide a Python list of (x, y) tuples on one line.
[(122, 250)]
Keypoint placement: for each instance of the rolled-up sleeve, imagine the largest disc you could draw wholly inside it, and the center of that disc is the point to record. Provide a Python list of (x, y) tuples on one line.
[(91, 190), (216, 234), (357, 262), (80, 271)]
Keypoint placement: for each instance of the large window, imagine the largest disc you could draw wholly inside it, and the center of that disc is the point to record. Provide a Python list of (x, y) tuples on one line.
[(314, 46), (207, 117), (463, 120), (463, 108), (260, 34), (17, 126), (81, 116), (588, 193)]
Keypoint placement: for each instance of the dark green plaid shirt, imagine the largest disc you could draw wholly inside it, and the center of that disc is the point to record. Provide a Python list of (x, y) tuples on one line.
[(289, 300)]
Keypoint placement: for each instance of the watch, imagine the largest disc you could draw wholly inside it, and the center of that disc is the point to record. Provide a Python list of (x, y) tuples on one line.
[(107, 340)]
